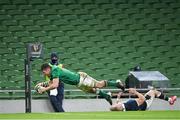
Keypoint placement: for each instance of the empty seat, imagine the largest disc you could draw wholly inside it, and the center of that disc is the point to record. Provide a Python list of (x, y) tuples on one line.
[(15, 28), (15, 12), (10, 22), (36, 2), (84, 27), (49, 12), (168, 65), (74, 6), (55, 33), (5, 2), (107, 33), (93, 22), (31, 12), (50, 28), (81, 12), (100, 55), (90, 33), (135, 1), (21, 17), (96, 66), (112, 76), (85, 2), (9, 7), (80, 39), (74, 33), (19, 2), (33, 28), (67, 28), (98, 11), (77, 22), (150, 66), (52, 2), (43, 22), (93, 50), (60, 22), (91, 6), (70, 16), (102, 1), (108, 6), (5, 17), (37, 17), (87, 17), (22, 34), (25, 7), (119, 1), (68, 2), (39, 34), (145, 49)]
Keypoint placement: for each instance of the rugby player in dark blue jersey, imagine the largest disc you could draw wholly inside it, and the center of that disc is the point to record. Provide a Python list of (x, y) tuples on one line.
[(142, 103)]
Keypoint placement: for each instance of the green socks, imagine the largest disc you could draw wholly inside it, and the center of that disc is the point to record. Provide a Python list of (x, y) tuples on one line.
[(102, 93), (111, 83)]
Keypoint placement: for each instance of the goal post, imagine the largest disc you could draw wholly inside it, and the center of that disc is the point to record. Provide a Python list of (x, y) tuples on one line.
[(33, 51)]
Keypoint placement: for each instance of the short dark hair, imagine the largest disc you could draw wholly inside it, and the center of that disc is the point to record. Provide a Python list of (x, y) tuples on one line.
[(45, 66)]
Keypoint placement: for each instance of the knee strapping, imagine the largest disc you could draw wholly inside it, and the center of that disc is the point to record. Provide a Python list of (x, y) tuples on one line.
[(148, 97)]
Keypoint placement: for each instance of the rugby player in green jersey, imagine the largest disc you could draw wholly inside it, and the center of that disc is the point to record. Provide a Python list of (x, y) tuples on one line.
[(80, 79)]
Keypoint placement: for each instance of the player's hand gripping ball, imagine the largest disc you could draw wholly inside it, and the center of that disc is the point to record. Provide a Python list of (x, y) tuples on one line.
[(39, 89)]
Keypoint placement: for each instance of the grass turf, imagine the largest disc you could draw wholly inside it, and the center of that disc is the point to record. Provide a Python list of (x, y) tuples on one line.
[(135, 115)]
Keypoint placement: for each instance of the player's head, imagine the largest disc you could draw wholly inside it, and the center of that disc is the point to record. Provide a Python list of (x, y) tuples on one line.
[(117, 107), (46, 69), (137, 68), (54, 58)]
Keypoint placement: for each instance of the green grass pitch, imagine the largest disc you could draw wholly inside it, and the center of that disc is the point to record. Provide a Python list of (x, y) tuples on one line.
[(135, 115)]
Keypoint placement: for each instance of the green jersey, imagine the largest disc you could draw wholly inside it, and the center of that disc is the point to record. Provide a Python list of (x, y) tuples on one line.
[(65, 75), (60, 66)]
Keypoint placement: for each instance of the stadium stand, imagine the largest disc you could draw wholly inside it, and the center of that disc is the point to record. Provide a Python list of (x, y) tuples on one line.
[(105, 37)]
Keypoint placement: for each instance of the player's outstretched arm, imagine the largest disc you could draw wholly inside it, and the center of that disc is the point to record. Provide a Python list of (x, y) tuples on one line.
[(52, 85), (140, 100), (118, 97)]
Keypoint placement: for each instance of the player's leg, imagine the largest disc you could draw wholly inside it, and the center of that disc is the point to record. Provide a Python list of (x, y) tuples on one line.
[(114, 83), (97, 91), (103, 94), (149, 96), (102, 83), (162, 96)]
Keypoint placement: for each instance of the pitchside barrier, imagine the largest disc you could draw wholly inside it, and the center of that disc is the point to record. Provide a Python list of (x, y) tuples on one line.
[(76, 93)]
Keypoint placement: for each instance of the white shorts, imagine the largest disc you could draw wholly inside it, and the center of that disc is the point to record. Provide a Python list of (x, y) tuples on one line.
[(86, 83)]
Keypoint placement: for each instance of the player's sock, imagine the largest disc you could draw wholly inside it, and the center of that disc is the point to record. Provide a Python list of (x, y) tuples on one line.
[(111, 83), (163, 97), (105, 95), (116, 83)]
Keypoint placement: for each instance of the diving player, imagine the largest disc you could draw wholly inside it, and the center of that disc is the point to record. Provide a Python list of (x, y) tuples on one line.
[(80, 79)]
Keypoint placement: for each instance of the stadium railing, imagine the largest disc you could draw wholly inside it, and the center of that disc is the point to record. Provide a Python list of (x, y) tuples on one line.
[(77, 94)]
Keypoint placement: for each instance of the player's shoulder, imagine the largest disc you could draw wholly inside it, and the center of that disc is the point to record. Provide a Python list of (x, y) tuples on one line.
[(60, 65)]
